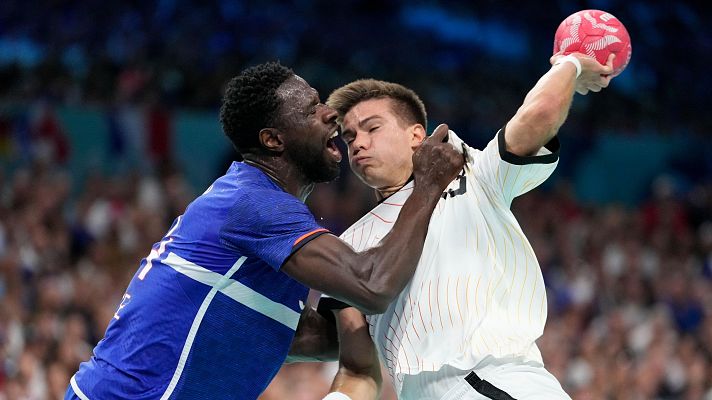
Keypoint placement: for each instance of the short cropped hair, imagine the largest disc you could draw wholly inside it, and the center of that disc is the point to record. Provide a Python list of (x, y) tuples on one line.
[(407, 105), (251, 103)]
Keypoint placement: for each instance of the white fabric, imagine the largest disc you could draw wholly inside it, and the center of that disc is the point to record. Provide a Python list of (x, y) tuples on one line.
[(235, 290), (336, 396), (519, 379), (573, 60), (76, 389), (478, 290)]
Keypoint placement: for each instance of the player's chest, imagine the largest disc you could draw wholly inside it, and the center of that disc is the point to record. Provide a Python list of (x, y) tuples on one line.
[(370, 229)]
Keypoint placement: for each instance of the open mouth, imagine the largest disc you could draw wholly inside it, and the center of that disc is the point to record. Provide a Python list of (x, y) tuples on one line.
[(332, 148)]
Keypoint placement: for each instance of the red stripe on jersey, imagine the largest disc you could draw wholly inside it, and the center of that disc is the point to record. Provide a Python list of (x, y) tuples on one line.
[(457, 297), (420, 310), (437, 300), (379, 217), (449, 309), (412, 320), (306, 235), (361, 238), (370, 231)]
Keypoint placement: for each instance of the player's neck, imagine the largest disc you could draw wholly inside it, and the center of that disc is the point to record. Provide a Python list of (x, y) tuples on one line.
[(284, 174), (385, 191)]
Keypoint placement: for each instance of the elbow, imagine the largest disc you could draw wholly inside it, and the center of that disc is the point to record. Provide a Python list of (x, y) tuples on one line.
[(537, 123), (378, 300), (373, 306), (378, 308), (545, 114), (377, 290), (380, 293)]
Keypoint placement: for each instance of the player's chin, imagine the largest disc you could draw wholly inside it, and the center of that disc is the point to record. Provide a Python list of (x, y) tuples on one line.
[(329, 171), (333, 171), (370, 179)]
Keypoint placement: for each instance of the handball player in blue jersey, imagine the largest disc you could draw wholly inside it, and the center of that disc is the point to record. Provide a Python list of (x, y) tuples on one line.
[(212, 310)]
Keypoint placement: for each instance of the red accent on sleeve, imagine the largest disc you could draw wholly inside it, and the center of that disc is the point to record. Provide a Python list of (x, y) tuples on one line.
[(306, 235)]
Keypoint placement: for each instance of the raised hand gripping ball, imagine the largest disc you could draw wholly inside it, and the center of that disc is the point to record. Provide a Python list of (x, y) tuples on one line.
[(595, 33)]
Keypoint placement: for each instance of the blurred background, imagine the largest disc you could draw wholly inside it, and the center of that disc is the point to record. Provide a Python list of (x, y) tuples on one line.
[(109, 128)]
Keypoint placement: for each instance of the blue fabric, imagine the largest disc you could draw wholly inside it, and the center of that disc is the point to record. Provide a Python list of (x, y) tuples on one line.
[(235, 351), (69, 394)]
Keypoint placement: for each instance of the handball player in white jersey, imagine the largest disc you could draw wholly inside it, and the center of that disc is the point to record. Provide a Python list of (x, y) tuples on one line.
[(465, 326)]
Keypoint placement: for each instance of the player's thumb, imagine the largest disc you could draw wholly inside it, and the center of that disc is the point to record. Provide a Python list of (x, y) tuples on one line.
[(609, 62), (440, 134), (553, 59)]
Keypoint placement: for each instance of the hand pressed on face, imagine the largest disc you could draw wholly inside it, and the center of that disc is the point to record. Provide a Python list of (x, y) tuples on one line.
[(436, 162)]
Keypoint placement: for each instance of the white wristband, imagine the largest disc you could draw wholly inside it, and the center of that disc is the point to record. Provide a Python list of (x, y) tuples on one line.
[(573, 60), (336, 396)]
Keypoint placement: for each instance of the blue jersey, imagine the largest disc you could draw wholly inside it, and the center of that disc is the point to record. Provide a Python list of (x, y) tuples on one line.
[(208, 314)]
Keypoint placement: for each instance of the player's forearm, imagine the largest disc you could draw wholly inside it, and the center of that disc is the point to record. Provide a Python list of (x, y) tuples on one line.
[(544, 110), (355, 385), (392, 263), (359, 374)]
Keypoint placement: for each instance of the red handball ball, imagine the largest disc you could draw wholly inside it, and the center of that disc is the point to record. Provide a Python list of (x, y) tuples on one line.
[(597, 34)]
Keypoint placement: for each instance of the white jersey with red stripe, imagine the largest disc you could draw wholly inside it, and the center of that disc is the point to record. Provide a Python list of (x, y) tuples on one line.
[(478, 290)]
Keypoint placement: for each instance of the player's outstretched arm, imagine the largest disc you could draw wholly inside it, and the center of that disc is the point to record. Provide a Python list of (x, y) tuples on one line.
[(359, 375), (371, 279), (547, 104)]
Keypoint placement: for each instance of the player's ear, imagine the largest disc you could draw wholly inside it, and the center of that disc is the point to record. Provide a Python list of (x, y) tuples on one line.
[(270, 140), (418, 134)]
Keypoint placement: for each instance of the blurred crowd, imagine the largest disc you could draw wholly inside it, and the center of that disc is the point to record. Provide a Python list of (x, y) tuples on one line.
[(629, 287), (181, 52)]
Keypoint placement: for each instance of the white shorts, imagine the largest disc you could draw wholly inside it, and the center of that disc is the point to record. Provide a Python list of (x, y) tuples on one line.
[(514, 378)]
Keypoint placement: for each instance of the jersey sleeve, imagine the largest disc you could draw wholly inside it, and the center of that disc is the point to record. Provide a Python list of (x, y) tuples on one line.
[(269, 225), (508, 175)]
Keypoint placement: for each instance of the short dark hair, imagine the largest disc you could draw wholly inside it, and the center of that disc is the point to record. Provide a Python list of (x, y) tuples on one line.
[(251, 103), (407, 105)]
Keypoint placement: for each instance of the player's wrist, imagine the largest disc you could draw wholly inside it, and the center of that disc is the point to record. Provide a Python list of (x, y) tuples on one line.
[(569, 58), (426, 193)]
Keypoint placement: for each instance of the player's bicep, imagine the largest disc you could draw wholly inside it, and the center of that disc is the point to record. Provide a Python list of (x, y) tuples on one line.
[(328, 264), (271, 234), (516, 135)]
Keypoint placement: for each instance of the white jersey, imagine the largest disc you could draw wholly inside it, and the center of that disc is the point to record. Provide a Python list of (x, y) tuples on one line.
[(478, 290)]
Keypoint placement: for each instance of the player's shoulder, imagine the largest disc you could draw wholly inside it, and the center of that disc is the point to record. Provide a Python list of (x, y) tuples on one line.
[(247, 185), (242, 195)]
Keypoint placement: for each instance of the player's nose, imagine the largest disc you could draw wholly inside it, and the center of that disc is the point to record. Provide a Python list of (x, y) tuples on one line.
[(329, 115), (361, 142)]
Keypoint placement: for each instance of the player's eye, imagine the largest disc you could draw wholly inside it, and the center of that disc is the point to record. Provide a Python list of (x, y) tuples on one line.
[(313, 107), (373, 129)]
